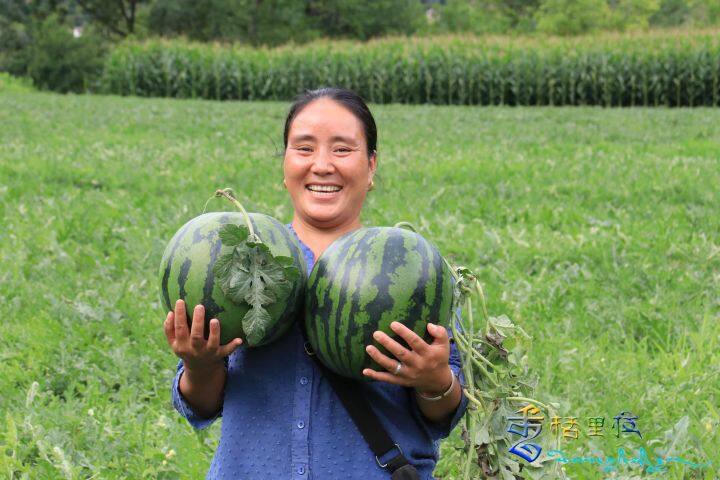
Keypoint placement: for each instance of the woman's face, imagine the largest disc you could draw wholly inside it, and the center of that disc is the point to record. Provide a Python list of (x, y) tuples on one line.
[(326, 166)]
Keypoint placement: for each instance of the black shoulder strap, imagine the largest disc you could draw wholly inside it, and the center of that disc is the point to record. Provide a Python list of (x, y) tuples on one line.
[(366, 421)]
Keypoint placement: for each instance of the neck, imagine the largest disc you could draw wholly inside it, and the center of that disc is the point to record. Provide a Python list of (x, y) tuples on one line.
[(318, 238)]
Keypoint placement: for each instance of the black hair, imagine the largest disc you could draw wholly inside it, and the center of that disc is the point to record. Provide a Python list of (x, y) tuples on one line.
[(347, 98)]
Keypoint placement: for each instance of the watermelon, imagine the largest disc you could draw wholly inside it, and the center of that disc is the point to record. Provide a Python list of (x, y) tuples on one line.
[(186, 271), (364, 281)]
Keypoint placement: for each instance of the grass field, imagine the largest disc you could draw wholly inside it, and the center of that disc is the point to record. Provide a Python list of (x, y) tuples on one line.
[(597, 230)]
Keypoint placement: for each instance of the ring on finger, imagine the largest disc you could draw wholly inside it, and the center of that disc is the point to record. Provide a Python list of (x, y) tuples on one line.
[(398, 368)]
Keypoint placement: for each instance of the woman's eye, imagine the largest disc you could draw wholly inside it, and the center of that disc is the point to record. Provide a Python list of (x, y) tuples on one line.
[(343, 150), (304, 149)]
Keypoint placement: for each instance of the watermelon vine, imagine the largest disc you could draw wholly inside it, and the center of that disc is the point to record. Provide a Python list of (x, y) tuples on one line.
[(497, 382)]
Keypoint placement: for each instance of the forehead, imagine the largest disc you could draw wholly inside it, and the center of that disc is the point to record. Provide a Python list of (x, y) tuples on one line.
[(325, 118)]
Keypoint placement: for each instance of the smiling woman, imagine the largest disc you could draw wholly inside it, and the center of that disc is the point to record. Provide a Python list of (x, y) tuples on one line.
[(281, 417), (330, 161)]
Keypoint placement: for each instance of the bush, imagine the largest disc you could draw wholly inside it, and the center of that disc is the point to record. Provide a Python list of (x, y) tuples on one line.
[(11, 84), (15, 41), (60, 62)]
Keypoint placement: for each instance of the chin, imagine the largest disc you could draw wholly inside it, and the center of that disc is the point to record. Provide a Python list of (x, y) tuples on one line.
[(325, 216)]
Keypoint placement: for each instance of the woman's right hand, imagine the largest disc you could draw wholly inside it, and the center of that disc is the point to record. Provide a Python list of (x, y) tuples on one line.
[(190, 345)]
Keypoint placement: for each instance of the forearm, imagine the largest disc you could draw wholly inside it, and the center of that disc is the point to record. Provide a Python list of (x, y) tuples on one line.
[(439, 411), (203, 389)]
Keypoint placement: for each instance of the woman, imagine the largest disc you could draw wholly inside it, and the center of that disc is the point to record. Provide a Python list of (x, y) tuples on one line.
[(281, 418)]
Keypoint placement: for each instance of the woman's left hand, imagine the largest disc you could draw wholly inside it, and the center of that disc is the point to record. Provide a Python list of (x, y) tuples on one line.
[(424, 366)]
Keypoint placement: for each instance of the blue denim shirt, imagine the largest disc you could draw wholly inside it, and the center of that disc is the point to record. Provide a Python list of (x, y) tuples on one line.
[(282, 420)]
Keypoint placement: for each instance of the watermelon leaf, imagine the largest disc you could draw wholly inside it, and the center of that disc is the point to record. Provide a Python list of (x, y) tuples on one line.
[(255, 323), (231, 234), (250, 274)]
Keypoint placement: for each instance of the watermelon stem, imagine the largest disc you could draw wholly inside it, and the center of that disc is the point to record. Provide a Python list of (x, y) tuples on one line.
[(529, 400), (228, 193), (474, 400), (471, 383), (407, 225), (481, 294), (476, 357)]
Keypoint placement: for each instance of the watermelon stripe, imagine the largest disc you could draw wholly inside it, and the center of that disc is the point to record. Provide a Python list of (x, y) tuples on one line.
[(182, 277), (170, 257), (343, 330), (418, 299), (439, 305), (364, 281), (383, 305), (212, 309)]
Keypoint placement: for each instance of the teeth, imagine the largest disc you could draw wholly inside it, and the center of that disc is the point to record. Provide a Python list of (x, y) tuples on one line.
[(324, 188)]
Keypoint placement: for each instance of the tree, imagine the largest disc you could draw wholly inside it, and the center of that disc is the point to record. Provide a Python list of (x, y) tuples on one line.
[(363, 20), (629, 14), (59, 62), (472, 17), (117, 16), (259, 22), (572, 17)]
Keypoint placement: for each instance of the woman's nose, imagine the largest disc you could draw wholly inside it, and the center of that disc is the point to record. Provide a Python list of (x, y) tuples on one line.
[(322, 163)]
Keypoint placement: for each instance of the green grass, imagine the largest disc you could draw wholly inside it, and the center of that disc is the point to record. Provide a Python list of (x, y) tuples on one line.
[(597, 230)]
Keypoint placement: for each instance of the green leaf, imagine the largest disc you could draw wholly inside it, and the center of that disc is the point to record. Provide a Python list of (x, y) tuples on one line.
[(251, 275), (231, 234), (255, 323), (284, 261), (482, 436)]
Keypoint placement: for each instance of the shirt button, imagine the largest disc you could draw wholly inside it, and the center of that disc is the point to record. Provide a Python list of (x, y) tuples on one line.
[(303, 380), (301, 424), (301, 469)]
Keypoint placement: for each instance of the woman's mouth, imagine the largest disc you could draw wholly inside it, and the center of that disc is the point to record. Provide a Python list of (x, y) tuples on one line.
[(323, 191)]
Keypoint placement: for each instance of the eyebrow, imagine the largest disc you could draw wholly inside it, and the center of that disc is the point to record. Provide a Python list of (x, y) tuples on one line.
[(336, 138)]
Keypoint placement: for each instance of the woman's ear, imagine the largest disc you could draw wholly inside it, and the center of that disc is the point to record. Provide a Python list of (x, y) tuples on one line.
[(373, 165)]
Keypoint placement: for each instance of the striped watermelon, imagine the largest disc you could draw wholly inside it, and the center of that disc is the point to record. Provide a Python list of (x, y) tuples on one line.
[(365, 280), (186, 271)]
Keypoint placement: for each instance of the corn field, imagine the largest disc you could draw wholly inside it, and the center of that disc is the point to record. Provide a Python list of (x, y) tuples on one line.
[(652, 69)]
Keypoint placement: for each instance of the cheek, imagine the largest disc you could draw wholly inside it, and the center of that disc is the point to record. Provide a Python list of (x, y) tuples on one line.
[(357, 176), (293, 169)]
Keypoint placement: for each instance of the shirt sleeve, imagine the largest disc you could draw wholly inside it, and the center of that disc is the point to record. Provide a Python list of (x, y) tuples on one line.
[(440, 430), (184, 408)]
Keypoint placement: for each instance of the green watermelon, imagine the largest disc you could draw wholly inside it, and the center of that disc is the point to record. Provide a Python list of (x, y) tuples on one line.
[(186, 271), (364, 281)]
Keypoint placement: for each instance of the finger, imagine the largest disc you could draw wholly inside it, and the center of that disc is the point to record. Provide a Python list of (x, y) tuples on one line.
[(198, 326), (418, 345), (169, 326), (214, 337), (389, 364), (401, 353), (230, 347), (181, 327), (440, 333), (385, 377)]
